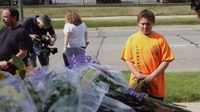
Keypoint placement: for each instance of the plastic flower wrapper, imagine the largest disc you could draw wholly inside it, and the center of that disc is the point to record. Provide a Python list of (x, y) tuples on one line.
[(67, 103), (90, 94), (82, 60), (59, 88), (112, 105), (49, 83), (15, 96), (117, 87), (4, 75), (87, 99), (73, 61)]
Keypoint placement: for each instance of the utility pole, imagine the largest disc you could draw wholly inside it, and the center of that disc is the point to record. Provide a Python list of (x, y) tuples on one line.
[(21, 14), (45, 2)]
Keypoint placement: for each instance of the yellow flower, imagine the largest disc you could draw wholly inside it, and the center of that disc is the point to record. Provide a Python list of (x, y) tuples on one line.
[(25, 68), (2, 76), (22, 71), (17, 72)]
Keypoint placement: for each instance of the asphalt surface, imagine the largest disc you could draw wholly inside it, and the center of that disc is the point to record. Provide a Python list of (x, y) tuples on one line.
[(106, 44)]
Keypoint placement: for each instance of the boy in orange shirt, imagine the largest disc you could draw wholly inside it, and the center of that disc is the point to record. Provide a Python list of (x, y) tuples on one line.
[(147, 55)]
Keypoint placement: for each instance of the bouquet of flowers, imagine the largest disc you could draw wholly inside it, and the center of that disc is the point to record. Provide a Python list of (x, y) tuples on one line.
[(118, 89), (14, 95), (87, 87), (59, 88)]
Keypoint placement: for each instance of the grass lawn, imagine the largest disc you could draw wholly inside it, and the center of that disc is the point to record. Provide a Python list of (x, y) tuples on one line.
[(130, 22), (126, 22), (181, 86), (105, 11)]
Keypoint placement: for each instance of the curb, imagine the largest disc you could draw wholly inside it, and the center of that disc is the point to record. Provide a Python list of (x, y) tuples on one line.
[(127, 17)]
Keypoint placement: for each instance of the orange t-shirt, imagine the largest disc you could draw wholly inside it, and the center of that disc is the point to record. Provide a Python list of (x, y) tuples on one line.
[(147, 53)]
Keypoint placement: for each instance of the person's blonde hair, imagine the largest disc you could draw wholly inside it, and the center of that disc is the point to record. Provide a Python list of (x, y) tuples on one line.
[(73, 18)]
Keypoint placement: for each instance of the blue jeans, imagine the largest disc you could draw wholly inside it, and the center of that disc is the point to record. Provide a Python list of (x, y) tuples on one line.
[(75, 51), (72, 52)]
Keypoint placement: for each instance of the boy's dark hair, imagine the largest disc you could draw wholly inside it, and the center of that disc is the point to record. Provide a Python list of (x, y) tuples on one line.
[(13, 12), (146, 14)]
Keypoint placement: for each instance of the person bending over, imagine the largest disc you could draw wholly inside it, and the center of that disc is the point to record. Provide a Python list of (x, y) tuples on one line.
[(37, 27)]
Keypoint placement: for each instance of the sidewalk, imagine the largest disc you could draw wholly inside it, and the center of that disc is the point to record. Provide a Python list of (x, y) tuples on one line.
[(127, 17), (192, 106)]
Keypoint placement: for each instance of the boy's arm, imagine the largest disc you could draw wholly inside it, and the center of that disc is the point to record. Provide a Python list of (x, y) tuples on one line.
[(161, 68), (133, 70)]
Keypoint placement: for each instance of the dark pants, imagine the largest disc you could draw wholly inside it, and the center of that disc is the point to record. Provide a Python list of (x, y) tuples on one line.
[(43, 59)]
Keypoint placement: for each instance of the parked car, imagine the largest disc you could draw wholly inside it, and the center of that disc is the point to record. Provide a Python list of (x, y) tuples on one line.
[(8, 2), (14, 2), (37, 2), (108, 1), (25, 2), (49, 1), (172, 1), (4, 2)]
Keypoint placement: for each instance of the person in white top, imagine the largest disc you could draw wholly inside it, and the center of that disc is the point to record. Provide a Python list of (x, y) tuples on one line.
[(75, 35)]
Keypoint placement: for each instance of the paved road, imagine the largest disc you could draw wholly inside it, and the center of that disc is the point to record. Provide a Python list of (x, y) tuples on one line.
[(128, 17), (106, 45)]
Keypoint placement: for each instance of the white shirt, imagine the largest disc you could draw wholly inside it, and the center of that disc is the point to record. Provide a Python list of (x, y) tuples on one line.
[(77, 37)]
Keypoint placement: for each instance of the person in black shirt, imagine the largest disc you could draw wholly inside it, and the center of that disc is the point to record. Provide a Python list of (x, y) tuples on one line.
[(198, 14), (14, 40), (36, 27)]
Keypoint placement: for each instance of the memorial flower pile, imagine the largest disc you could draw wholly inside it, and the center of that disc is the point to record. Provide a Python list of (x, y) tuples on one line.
[(84, 86), (14, 96), (118, 89)]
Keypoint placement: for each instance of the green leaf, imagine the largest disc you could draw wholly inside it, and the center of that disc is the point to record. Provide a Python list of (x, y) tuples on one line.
[(18, 62)]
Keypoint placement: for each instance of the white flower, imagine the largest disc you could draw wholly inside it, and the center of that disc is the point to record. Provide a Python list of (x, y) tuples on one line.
[(40, 86)]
